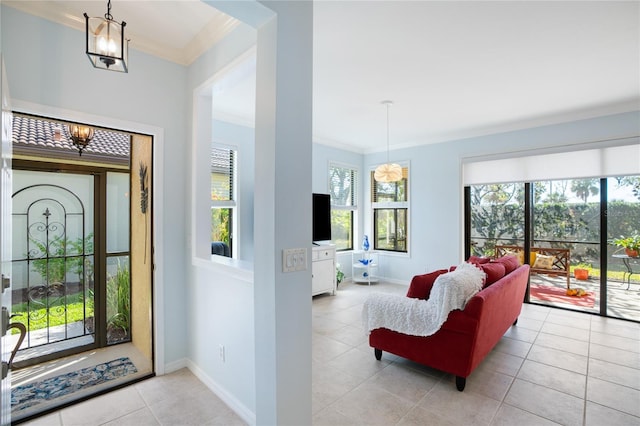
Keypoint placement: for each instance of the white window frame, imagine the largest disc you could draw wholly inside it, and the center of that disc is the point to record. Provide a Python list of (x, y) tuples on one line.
[(232, 203), (355, 197), (392, 205)]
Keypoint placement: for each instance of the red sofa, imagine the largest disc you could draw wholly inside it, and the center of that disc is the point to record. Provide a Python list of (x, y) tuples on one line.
[(468, 335)]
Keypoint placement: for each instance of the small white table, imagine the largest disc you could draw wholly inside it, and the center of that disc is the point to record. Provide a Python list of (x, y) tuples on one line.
[(366, 271)]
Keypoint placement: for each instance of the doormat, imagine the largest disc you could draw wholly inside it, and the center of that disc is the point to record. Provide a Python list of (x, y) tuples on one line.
[(559, 295), (26, 396)]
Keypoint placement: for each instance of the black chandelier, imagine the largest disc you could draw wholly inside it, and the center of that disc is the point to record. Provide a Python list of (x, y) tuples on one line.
[(107, 48)]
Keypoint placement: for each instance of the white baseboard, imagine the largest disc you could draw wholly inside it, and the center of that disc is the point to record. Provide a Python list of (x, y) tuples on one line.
[(176, 365), (239, 408)]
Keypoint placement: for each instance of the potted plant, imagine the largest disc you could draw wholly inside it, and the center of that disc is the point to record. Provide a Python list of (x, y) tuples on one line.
[(339, 275), (630, 244), (581, 271)]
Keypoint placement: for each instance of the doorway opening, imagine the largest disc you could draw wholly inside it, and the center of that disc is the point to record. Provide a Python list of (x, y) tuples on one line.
[(82, 263)]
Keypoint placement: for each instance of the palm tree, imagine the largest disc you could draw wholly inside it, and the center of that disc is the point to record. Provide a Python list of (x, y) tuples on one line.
[(583, 188)]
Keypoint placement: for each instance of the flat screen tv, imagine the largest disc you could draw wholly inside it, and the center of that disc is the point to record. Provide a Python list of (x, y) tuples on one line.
[(321, 217)]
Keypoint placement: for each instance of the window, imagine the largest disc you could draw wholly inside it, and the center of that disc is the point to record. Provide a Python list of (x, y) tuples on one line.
[(390, 202), (223, 199), (343, 181)]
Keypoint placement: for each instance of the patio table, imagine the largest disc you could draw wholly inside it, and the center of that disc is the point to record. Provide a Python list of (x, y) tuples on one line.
[(626, 260)]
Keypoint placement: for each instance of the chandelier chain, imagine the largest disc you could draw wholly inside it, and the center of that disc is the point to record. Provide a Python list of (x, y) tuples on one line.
[(108, 15)]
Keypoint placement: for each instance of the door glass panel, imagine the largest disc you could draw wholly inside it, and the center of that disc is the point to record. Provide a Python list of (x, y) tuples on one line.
[(623, 221), (52, 261), (566, 216), (497, 217), (117, 212), (118, 300)]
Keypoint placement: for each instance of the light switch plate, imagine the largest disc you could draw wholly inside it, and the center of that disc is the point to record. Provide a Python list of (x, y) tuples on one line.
[(294, 259)]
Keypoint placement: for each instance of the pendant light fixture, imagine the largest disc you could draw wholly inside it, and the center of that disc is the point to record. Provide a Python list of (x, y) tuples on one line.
[(80, 135), (107, 48), (388, 172)]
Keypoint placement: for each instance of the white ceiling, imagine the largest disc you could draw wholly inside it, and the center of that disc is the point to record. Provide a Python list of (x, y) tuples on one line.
[(453, 69)]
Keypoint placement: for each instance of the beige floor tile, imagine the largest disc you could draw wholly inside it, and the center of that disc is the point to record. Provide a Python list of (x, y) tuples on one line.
[(358, 363), (615, 373), (52, 419), (521, 333), (598, 415), (326, 325), (368, 404), (179, 383), (614, 396), (513, 347), (562, 343), (103, 409), (616, 327), (420, 417), (488, 383), (529, 323), (546, 402), (510, 416), (560, 359), (501, 362), (577, 320), (553, 377), (330, 417), (566, 330), (196, 409), (463, 408), (324, 349), (617, 342), (616, 356), (403, 382), (349, 335), (535, 312), (328, 385), (141, 417)]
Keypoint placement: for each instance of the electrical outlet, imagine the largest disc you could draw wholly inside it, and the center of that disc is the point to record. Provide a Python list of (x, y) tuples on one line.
[(221, 351)]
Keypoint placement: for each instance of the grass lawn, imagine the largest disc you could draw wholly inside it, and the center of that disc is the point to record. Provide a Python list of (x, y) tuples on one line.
[(75, 311)]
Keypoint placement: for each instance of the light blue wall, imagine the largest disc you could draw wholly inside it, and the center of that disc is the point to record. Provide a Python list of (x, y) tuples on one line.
[(220, 301), (46, 65), (436, 194)]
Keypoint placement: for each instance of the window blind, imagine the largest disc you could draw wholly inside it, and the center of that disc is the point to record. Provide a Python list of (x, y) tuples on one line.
[(598, 162), (222, 174)]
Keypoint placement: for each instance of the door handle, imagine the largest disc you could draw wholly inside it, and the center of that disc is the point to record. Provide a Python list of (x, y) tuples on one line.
[(6, 283), (23, 332), (6, 326)]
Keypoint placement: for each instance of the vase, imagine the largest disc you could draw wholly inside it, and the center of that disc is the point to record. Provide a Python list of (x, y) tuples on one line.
[(365, 243), (581, 274), (631, 253)]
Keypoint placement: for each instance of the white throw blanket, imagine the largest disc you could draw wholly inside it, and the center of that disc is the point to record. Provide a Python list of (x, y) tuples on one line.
[(419, 317)]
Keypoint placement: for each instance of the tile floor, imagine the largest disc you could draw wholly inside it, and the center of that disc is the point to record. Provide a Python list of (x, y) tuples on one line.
[(554, 367)]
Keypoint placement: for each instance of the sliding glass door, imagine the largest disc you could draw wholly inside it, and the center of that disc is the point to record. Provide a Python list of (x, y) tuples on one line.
[(564, 221)]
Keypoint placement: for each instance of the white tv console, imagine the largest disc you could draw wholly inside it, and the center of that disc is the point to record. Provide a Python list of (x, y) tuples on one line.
[(323, 269)]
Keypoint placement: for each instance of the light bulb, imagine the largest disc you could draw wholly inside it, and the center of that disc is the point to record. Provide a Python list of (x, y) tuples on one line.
[(102, 45)]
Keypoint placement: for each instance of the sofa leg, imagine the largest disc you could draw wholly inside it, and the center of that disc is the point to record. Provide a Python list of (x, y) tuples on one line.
[(460, 383), (378, 353)]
